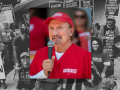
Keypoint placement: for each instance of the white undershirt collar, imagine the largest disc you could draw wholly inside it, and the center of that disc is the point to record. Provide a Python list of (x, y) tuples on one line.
[(58, 55)]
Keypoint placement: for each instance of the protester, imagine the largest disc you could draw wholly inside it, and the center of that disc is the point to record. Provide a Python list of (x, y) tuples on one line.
[(22, 74), (81, 38), (82, 29), (94, 30), (60, 32), (109, 28), (7, 37), (100, 58), (116, 55), (107, 33), (20, 44), (38, 32)]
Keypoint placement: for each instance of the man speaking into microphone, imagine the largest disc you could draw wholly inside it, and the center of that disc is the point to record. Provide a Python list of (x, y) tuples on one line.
[(67, 59)]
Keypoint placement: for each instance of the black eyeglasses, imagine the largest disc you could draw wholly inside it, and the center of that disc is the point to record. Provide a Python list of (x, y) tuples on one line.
[(25, 57), (80, 16), (94, 44)]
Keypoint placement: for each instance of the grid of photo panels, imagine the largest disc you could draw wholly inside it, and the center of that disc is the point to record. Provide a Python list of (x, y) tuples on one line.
[(21, 36)]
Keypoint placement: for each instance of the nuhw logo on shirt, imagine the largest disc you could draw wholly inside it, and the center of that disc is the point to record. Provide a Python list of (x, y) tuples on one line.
[(73, 71)]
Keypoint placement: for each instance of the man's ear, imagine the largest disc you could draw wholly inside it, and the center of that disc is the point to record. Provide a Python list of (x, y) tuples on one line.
[(72, 31)]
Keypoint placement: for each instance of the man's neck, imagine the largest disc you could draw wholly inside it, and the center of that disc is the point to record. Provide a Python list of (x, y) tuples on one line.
[(63, 48)]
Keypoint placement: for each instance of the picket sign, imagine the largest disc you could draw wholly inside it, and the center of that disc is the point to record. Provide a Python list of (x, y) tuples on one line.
[(2, 72)]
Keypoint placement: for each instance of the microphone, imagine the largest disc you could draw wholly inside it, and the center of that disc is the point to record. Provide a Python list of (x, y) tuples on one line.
[(50, 47)]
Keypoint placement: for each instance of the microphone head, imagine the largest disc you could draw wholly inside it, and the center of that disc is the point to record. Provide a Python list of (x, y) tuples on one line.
[(50, 44)]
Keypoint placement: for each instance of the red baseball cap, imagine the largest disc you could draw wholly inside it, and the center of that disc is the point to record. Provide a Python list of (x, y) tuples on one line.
[(60, 16)]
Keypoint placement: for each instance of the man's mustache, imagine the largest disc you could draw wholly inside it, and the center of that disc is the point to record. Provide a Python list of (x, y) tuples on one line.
[(56, 37)]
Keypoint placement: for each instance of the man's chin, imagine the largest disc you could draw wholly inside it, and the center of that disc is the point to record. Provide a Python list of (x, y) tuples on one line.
[(57, 42)]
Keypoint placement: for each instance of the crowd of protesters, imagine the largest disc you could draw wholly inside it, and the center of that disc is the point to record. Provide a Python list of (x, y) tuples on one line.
[(15, 42)]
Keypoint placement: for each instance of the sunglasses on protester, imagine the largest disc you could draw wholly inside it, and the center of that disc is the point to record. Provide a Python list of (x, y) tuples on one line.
[(80, 16), (109, 19)]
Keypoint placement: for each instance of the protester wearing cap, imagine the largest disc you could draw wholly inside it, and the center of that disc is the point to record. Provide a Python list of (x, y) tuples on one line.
[(20, 45), (108, 32), (109, 28), (22, 73), (68, 60), (24, 54)]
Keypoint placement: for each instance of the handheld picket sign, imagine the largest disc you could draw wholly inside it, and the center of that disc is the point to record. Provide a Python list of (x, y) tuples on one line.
[(2, 72)]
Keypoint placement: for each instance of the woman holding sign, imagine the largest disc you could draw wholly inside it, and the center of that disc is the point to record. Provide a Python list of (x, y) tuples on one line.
[(100, 58)]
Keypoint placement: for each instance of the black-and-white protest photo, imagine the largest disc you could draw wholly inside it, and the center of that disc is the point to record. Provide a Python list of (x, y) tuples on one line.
[(21, 36)]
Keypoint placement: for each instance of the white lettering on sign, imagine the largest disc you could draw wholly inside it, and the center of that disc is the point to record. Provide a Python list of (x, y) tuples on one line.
[(68, 1), (113, 0), (95, 59), (70, 71), (6, 8), (112, 7), (56, 5)]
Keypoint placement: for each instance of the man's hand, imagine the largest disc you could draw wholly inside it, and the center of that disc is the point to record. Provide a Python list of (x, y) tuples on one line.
[(48, 65)]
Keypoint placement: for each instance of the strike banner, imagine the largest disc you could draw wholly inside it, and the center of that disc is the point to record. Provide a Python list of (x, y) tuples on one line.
[(111, 10), (2, 72), (112, 2), (72, 3), (6, 14), (27, 19), (87, 3), (56, 4)]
